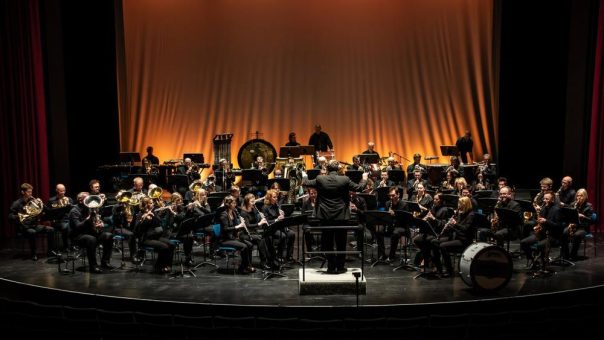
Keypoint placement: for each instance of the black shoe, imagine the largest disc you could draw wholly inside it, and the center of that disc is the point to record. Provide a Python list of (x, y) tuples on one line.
[(331, 271), (106, 265), (34, 258), (342, 270), (95, 270)]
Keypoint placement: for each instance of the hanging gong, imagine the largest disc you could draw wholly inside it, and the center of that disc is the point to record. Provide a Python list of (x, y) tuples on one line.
[(254, 148)]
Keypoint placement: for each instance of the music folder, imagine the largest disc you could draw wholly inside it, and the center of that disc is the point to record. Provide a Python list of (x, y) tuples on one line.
[(508, 216), (369, 158), (569, 215), (412, 206)]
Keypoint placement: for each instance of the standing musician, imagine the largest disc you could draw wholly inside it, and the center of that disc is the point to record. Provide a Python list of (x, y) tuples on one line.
[(464, 145), (87, 231), (60, 224), (456, 235), (502, 230), (547, 229), (25, 214), (566, 193), (273, 213), (437, 217), (423, 199), (320, 140), (400, 228), (413, 183), (292, 140), (416, 165), (230, 224), (575, 233), (147, 227), (255, 221), (333, 208), (153, 160), (123, 216)]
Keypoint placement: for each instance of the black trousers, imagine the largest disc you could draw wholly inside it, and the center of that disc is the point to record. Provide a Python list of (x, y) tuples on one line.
[(331, 237)]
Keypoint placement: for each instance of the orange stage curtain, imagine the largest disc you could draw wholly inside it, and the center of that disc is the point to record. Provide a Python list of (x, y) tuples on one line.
[(408, 75)]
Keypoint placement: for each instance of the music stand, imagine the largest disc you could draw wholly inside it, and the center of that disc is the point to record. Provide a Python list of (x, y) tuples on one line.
[(313, 173), (199, 230), (307, 150), (412, 206), (130, 157), (195, 157), (484, 194), (179, 183), (370, 200), (214, 202), (508, 218), (396, 176), (255, 176), (354, 175), (378, 218), (449, 150), (487, 205), (425, 227), (283, 183), (369, 158), (267, 233), (382, 196), (56, 214), (405, 219), (568, 216), (450, 200), (290, 151)]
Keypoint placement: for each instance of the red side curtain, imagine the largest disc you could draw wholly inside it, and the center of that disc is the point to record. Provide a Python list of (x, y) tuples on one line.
[(595, 184), (23, 137)]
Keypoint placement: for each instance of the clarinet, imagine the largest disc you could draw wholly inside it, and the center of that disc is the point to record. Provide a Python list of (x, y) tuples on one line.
[(449, 223)]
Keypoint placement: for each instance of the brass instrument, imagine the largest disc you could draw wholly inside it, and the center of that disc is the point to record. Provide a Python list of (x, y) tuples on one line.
[(63, 202), (94, 203), (124, 196), (32, 208), (196, 185), (156, 194)]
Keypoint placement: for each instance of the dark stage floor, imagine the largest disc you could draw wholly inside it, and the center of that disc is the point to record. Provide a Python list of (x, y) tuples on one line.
[(384, 286)]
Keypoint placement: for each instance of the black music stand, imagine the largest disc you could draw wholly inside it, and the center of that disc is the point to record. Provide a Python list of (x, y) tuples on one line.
[(382, 196), (288, 209), (200, 224), (354, 175), (195, 157), (369, 158), (449, 150), (425, 227), (129, 157), (378, 218), (214, 202), (396, 176), (290, 151), (370, 200), (283, 183), (450, 200), (313, 173), (255, 176), (568, 216), (508, 218), (484, 194), (56, 214), (307, 150), (404, 218), (487, 205), (413, 206), (179, 183), (268, 232)]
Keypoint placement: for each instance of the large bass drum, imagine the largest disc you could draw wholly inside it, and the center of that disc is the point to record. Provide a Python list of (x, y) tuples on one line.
[(486, 267), (254, 148)]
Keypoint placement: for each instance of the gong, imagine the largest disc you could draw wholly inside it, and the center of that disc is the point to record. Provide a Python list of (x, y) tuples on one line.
[(254, 148)]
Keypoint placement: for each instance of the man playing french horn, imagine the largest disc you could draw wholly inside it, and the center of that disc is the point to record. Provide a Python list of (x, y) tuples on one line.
[(25, 214), (123, 215), (60, 222), (87, 230)]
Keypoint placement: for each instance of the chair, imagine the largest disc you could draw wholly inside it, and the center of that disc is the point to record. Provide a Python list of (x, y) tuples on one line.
[(591, 236), (229, 251)]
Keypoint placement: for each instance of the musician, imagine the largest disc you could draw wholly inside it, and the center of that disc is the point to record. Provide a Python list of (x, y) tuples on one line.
[(137, 190), (148, 229), (123, 216), (87, 232), (437, 217), (575, 233), (209, 184), (175, 213), (371, 150), (356, 164), (273, 213), (545, 185), (230, 224), (321, 163), (449, 183), (485, 167), (60, 224), (384, 181), (457, 234), (259, 184), (255, 221), (190, 169), (320, 140), (95, 188), (199, 206), (424, 200), (190, 194), (464, 145), (460, 184), (281, 195), (455, 166), (151, 158), (566, 193), (465, 192), (308, 205), (224, 175), (416, 165), (481, 182), (393, 164), (502, 229), (292, 140), (547, 230), (28, 225), (400, 228), (332, 208), (278, 173), (358, 206), (414, 182)]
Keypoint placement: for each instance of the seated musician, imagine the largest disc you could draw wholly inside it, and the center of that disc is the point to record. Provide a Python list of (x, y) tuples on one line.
[(123, 216), (255, 222), (231, 224), (400, 229), (356, 164), (566, 193), (190, 169), (456, 235), (455, 165), (209, 185), (259, 184), (175, 214), (465, 192), (502, 230), (278, 173), (87, 231), (481, 182), (190, 194), (412, 183), (547, 230), (285, 236), (459, 184), (575, 233), (148, 229), (437, 217), (282, 195), (358, 206), (137, 190), (321, 163), (384, 181), (393, 164), (25, 214), (308, 205), (235, 191), (95, 188), (60, 224), (416, 165), (423, 199), (448, 185), (486, 168)]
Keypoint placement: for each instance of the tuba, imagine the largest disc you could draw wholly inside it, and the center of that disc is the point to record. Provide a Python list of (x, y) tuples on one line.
[(32, 208), (124, 196), (94, 203)]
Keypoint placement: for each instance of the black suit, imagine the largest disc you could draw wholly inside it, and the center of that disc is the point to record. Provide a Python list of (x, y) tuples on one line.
[(332, 208)]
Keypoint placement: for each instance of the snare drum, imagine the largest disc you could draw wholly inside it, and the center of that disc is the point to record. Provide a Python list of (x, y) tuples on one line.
[(485, 267)]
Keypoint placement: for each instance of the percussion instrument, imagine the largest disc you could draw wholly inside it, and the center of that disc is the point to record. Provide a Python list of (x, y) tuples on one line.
[(485, 267)]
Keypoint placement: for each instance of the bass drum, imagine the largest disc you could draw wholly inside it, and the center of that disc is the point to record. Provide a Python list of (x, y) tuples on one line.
[(254, 148), (486, 267)]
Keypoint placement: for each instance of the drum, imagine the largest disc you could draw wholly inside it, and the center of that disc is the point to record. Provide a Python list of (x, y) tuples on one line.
[(484, 266)]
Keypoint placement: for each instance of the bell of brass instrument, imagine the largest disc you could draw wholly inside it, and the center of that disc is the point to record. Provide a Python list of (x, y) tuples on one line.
[(63, 202), (94, 203), (33, 208), (196, 185), (155, 193)]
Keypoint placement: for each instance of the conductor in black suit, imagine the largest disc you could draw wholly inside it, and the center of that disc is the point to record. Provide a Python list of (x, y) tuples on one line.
[(333, 208)]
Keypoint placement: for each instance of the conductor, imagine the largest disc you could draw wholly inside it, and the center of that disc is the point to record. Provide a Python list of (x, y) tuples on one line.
[(332, 208)]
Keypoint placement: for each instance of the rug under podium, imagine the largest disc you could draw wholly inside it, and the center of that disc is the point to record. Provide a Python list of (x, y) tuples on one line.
[(316, 281)]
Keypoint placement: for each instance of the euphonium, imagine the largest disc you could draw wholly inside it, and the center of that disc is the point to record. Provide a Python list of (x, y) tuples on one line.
[(32, 208), (94, 203), (64, 201)]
